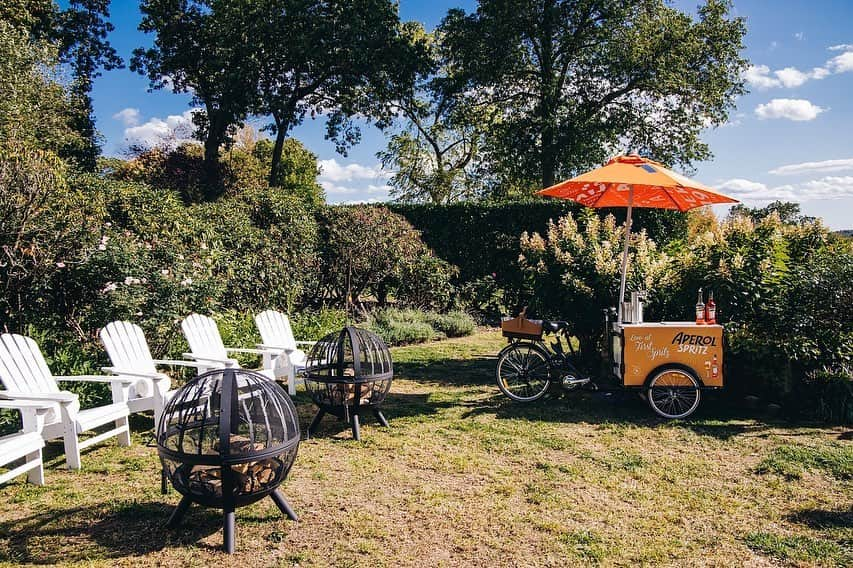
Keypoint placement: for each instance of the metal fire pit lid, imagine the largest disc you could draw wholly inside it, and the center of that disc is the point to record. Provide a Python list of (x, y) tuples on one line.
[(227, 416), (352, 355)]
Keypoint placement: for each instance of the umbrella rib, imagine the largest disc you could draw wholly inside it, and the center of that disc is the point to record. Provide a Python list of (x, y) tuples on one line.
[(671, 198)]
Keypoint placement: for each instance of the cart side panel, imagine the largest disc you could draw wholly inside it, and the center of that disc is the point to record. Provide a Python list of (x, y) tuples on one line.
[(699, 347)]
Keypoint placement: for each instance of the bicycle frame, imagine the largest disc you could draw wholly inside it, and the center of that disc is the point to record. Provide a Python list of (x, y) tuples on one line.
[(559, 359)]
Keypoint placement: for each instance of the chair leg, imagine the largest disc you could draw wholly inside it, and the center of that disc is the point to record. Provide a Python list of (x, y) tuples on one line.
[(291, 381), (123, 437), (36, 475), (72, 447)]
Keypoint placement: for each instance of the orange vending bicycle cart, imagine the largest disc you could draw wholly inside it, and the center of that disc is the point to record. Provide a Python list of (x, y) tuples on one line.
[(672, 362)]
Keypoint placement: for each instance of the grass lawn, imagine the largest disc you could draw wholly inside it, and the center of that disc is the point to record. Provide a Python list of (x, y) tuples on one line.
[(464, 477)]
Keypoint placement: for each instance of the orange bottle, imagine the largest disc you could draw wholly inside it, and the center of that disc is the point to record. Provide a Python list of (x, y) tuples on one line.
[(700, 309), (711, 309)]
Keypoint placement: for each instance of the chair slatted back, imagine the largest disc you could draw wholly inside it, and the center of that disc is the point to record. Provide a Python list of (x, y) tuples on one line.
[(275, 329), (203, 336), (22, 366), (127, 348)]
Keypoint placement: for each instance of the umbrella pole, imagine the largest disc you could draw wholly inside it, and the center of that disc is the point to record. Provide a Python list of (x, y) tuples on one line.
[(625, 253)]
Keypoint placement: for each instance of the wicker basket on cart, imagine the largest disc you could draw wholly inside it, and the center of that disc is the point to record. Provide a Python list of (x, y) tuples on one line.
[(521, 328)]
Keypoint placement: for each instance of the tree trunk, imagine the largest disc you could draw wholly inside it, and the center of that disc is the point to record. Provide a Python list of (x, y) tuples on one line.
[(547, 94), (215, 138), (548, 161), (276, 156), (282, 127)]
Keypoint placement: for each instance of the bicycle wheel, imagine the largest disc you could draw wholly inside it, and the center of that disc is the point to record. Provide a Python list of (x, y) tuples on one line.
[(524, 372), (673, 392)]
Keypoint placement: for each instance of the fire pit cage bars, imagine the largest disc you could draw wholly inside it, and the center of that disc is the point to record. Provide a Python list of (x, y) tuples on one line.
[(226, 439), (347, 373)]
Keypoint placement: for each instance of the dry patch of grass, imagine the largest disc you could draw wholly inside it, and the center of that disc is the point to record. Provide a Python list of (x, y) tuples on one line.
[(464, 477)]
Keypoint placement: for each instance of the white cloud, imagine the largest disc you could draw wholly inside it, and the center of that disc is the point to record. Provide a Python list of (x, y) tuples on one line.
[(762, 77), (825, 166), (829, 187), (333, 171), (336, 189), (357, 182), (841, 63), (759, 77), (128, 116), (741, 186), (791, 109), (174, 130), (799, 36)]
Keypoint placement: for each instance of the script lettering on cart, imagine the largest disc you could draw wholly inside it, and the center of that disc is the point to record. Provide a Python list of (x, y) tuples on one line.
[(693, 343), (645, 343)]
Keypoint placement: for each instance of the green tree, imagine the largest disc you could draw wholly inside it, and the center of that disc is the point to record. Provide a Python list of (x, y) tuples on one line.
[(340, 59), (433, 155), (575, 79), (35, 110), (81, 31), (366, 249), (203, 48), (787, 211), (79, 34)]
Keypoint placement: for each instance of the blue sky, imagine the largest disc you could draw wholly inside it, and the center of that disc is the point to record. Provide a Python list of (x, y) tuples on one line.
[(790, 138)]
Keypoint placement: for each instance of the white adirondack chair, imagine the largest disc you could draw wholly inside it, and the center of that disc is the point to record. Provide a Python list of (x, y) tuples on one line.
[(129, 354), (206, 345), (26, 376), (277, 337), (26, 444)]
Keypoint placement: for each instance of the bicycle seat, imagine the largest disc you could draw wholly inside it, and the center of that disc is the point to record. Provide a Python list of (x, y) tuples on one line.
[(554, 326)]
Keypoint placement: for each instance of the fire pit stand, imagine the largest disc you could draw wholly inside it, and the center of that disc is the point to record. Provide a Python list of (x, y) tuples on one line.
[(347, 373), (226, 439)]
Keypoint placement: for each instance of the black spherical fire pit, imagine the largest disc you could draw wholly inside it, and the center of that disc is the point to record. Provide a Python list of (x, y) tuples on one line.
[(226, 439), (347, 373)]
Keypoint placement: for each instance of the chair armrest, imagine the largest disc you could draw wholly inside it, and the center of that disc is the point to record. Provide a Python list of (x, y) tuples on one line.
[(134, 374), (21, 404), (96, 379), (226, 362), (62, 396), (275, 348), (306, 343), (174, 362), (240, 350)]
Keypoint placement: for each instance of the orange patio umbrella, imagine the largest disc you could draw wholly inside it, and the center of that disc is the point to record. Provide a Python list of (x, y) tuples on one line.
[(632, 181)]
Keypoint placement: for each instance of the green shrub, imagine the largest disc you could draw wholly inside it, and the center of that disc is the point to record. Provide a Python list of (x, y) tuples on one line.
[(782, 290), (425, 282), (452, 324), (575, 268), (367, 251), (827, 395), (311, 325), (400, 327)]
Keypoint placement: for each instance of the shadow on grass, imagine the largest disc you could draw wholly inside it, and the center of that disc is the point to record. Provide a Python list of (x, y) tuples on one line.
[(124, 529), (718, 416), (452, 372), (396, 406), (819, 519)]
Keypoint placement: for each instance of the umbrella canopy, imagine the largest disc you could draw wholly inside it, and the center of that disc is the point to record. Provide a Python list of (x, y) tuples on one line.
[(653, 186), (632, 181)]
